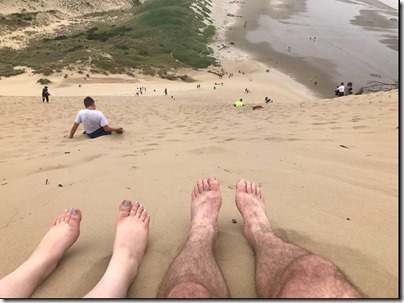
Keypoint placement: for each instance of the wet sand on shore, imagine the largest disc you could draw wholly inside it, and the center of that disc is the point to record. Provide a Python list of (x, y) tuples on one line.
[(327, 62)]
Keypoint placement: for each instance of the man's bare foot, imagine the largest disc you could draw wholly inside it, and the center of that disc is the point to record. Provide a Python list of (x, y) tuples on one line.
[(206, 201), (132, 231), (64, 231), (251, 204)]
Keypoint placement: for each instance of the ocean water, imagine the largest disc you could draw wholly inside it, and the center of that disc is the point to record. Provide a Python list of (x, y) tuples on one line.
[(342, 49)]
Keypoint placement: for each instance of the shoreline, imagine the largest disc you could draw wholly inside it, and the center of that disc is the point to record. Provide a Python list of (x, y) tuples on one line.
[(316, 73)]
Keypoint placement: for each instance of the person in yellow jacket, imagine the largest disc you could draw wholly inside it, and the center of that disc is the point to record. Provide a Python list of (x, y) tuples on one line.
[(238, 103)]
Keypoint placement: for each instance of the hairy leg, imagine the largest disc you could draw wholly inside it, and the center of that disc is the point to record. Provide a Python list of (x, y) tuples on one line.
[(283, 269), (194, 273), (64, 231), (132, 231)]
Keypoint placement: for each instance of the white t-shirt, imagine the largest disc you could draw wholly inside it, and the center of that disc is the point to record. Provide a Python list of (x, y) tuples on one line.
[(92, 120), (341, 89)]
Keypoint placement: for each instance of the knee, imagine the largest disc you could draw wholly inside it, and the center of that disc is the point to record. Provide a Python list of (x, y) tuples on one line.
[(189, 290), (310, 275), (313, 268)]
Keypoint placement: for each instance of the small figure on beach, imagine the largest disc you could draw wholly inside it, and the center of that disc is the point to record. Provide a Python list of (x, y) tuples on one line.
[(238, 103), (349, 88), (45, 95), (283, 270), (94, 122), (267, 100), (165, 91), (314, 39), (289, 48), (247, 91), (340, 92)]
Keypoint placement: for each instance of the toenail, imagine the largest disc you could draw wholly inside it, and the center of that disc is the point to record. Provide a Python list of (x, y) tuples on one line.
[(126, 203), (74, 212), (137, 202)]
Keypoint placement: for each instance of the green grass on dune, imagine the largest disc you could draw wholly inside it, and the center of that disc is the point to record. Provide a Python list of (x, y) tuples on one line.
[(155, 37)]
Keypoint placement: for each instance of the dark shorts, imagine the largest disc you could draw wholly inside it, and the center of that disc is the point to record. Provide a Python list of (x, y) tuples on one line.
[(340, 94), (98, 133)]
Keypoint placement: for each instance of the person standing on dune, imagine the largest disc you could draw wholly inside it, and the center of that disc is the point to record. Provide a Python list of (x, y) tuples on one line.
[(45, 94)]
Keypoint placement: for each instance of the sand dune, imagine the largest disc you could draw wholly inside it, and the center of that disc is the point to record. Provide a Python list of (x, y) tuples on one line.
[(328, 169), (318, 162)]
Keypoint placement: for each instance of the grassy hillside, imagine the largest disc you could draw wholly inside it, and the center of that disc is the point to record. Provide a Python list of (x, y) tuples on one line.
[(154, 37)]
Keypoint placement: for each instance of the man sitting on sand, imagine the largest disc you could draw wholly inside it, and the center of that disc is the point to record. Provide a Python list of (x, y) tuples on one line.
[(283, 270), (94, 122)]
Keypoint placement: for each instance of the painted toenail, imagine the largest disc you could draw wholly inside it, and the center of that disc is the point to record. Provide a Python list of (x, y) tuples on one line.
[(74, 212), (126, 203)]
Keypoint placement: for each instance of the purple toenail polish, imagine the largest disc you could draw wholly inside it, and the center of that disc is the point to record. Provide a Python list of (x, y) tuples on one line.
[(74, 212), (126, 203)]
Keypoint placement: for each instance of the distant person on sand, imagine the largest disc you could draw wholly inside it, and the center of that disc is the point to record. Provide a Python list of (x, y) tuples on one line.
[(45, 94), (349, 88), (165, 91), (238, 103), (283, 270), (341, 90), (94, 122)]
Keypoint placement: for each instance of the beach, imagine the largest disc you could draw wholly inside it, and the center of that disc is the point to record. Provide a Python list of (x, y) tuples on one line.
[(328, 169), (321, 44)]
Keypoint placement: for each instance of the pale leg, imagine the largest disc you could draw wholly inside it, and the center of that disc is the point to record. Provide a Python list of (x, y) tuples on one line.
[(64, 231), (132, 231)]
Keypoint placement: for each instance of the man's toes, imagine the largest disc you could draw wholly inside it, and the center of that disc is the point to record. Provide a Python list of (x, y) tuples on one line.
[(195, 191), (213, 183), (200, 186), (254, 188), (259, 193), (249, 188), (241, 186), (205, 185)]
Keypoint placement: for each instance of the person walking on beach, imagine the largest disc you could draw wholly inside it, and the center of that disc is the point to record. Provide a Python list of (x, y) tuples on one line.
[(94, 122), (165, 91), (45, 95), (283, 270)]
